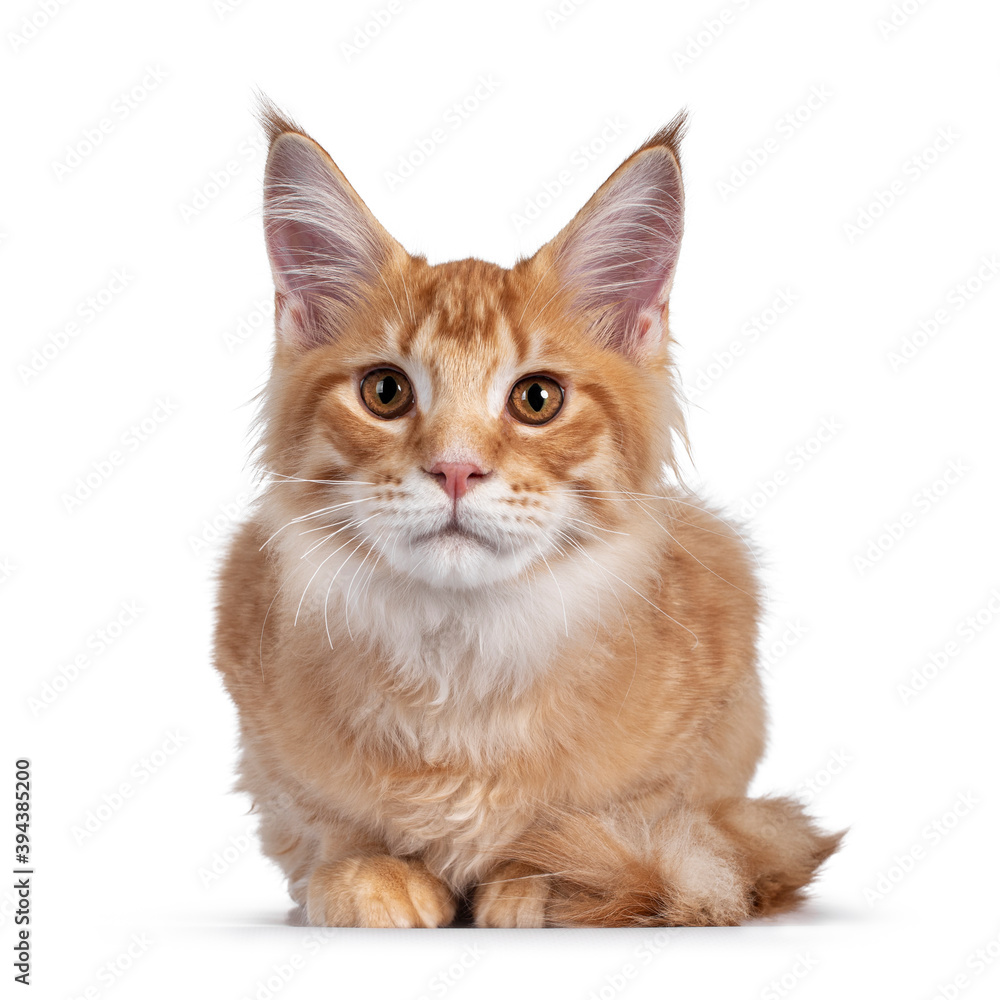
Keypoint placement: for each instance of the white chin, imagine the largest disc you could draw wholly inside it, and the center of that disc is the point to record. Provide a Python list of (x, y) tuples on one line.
[(454, 560)]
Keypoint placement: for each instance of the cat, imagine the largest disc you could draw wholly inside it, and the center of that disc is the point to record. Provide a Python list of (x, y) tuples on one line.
[(485, 650)]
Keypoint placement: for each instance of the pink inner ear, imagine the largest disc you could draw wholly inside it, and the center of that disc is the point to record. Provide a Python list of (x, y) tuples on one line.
[(324, 245), (296, 248), (620, 254)]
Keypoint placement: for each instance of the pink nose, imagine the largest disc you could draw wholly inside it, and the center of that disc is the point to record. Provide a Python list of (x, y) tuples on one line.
[(454, 477)]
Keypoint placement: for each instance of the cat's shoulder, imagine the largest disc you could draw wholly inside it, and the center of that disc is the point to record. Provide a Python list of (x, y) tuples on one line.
[(708, 539)]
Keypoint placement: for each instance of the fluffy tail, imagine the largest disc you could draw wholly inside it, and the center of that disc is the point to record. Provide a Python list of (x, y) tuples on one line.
[(703, 866)]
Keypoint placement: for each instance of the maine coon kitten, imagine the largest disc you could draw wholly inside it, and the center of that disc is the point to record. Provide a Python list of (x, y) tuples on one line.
[(479, 647)]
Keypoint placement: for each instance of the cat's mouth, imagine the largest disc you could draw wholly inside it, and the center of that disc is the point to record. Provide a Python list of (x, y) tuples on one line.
[(453, 531)]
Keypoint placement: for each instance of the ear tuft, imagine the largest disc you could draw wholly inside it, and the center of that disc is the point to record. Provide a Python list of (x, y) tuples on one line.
[(670, 136), (272, 119)]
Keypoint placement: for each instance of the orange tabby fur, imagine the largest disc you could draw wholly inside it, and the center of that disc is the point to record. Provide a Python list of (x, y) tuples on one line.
[(564, 737)]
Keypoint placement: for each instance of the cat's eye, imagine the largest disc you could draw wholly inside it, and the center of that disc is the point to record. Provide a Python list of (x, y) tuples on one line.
[(535, 399), (387, 393)]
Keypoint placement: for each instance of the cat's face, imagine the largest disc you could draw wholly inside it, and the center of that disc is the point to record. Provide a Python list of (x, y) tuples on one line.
[(459, 423)]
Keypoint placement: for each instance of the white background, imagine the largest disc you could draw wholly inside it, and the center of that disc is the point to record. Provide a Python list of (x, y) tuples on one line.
[(809, 427)]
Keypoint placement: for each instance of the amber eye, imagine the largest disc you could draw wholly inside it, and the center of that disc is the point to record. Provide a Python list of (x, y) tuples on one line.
[(535, 400), (387, 393)]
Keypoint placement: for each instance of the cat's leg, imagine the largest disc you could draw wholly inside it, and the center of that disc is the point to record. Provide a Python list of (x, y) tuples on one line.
[(377, 890), (511, 894), (344, 878)]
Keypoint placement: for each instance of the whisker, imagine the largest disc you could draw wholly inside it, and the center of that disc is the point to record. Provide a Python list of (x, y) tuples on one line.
[(298, 520), (319, 567), (321, 527), (590, 524), (366, 583), (628, 621), (627, 496), (640, 595), (282, 478), (326, 602), (350, 586), (562, 600), (677, 541), (596, 538), (348, 524)]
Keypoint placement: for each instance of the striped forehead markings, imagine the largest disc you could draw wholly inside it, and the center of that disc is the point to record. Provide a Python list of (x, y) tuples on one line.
[(432, 364)]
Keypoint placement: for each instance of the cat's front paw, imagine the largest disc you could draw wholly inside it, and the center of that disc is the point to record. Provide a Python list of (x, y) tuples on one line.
[(377, 891), (512, 895)]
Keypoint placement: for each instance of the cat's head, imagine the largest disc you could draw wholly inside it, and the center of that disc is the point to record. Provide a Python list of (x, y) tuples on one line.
[(462, 423)]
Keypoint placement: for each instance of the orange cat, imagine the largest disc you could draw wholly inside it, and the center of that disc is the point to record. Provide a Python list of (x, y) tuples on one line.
[(480, 649)]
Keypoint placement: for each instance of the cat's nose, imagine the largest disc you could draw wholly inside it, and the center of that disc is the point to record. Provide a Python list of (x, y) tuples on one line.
[(455, 478)]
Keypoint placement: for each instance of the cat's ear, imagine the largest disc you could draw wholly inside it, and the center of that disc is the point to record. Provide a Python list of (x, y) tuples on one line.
[(325, 246), (617, 256)]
